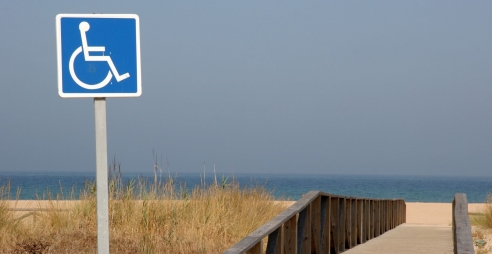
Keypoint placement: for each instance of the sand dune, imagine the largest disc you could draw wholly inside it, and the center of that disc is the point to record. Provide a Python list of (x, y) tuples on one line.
[(434, 213), (417, 213)]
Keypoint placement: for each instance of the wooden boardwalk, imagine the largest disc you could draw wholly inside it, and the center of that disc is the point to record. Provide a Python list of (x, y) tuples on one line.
[(410, 238), (325, 223)]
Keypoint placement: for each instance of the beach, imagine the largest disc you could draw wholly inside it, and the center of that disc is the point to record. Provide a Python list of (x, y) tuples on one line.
[(417, 212), (435, 213), (430, 213)]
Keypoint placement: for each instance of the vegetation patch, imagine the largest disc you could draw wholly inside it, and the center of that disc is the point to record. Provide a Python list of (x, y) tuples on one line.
[(482, 228), (144, 217)]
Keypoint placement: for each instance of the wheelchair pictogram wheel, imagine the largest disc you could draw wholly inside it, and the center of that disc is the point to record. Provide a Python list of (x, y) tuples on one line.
[(78, 81)]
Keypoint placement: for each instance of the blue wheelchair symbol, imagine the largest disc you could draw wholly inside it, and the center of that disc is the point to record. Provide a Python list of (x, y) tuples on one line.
[(89, 45), (84, 27)]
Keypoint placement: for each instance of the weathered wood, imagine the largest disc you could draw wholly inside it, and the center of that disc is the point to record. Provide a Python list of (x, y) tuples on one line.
[(407, 239), (247, 242), (353, 215), (335, 225), (257, 249), (316, 225), (360, 221), (367, 221), (388, 216), (462, 238), (395, 214), (326, 222), (323, 223), (385, 216), (290, 236), (272, 243), (341, 210), (243, 246), (377, 212), (38, 209), (400, 213), (304, 231), (382, 217), (373, 220), (404, 213), (348, 223)]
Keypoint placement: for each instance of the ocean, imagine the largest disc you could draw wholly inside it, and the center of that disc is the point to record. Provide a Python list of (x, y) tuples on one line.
[(282, 186)]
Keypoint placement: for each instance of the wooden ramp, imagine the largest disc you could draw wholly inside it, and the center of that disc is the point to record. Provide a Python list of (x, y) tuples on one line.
[(410, 238)]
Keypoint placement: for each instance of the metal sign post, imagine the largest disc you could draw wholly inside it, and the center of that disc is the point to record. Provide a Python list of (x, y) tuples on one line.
[(98, 56), (101, 176)]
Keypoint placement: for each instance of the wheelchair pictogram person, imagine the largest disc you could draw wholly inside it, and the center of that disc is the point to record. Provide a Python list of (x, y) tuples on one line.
[(84, 27)]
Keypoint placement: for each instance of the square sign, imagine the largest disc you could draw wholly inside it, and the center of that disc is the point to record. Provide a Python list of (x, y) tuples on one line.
[(98, 55)]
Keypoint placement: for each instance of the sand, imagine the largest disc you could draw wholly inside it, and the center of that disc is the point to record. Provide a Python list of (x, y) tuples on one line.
[(430, 213), (417, 213), (43, 204), (434, 213)]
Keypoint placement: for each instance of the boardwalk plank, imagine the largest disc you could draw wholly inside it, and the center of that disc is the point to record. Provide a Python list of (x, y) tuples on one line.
[(410, 238)]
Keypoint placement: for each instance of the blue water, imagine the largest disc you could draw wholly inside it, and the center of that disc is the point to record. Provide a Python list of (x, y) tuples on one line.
[(410, 188)]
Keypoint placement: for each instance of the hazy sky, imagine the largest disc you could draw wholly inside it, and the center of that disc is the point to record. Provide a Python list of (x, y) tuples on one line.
[(353, 87)]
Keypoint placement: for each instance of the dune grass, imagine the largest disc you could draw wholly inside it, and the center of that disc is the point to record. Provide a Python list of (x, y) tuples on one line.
[(483, 219), (144, 217), (482, 227)]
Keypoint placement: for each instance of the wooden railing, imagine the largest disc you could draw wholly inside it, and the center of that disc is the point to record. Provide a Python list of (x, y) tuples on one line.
[(324, 223), (34, 212), (462, 238)]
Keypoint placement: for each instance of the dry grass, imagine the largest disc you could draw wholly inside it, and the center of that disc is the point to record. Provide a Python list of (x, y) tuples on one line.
[(481, 240), (9, 227), (482, 228), (144, 218), (483, 219)]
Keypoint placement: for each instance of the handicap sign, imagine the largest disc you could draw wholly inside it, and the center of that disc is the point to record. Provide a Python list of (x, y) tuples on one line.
[(98, 55)]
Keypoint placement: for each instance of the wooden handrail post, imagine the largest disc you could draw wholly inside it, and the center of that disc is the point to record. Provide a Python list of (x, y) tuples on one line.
[(387, 215), (395, 212), (324, 223), (377, 212), (257, 249), (348, 223), (274, 245), (341, 211), (382, 217), (290, 236), (367, 220), (335, 225), (371, 219), (360, 221), (317, 224), (354, 223), (462, 238), (304, 230)]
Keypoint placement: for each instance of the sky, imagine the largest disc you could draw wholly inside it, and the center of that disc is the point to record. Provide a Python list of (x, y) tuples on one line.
[(284, 87)]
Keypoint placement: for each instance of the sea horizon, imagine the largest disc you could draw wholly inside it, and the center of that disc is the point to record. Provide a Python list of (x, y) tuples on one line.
[(285, 186)]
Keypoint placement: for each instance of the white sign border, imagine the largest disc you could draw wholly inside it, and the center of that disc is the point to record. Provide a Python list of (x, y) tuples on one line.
[(59, 56)]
